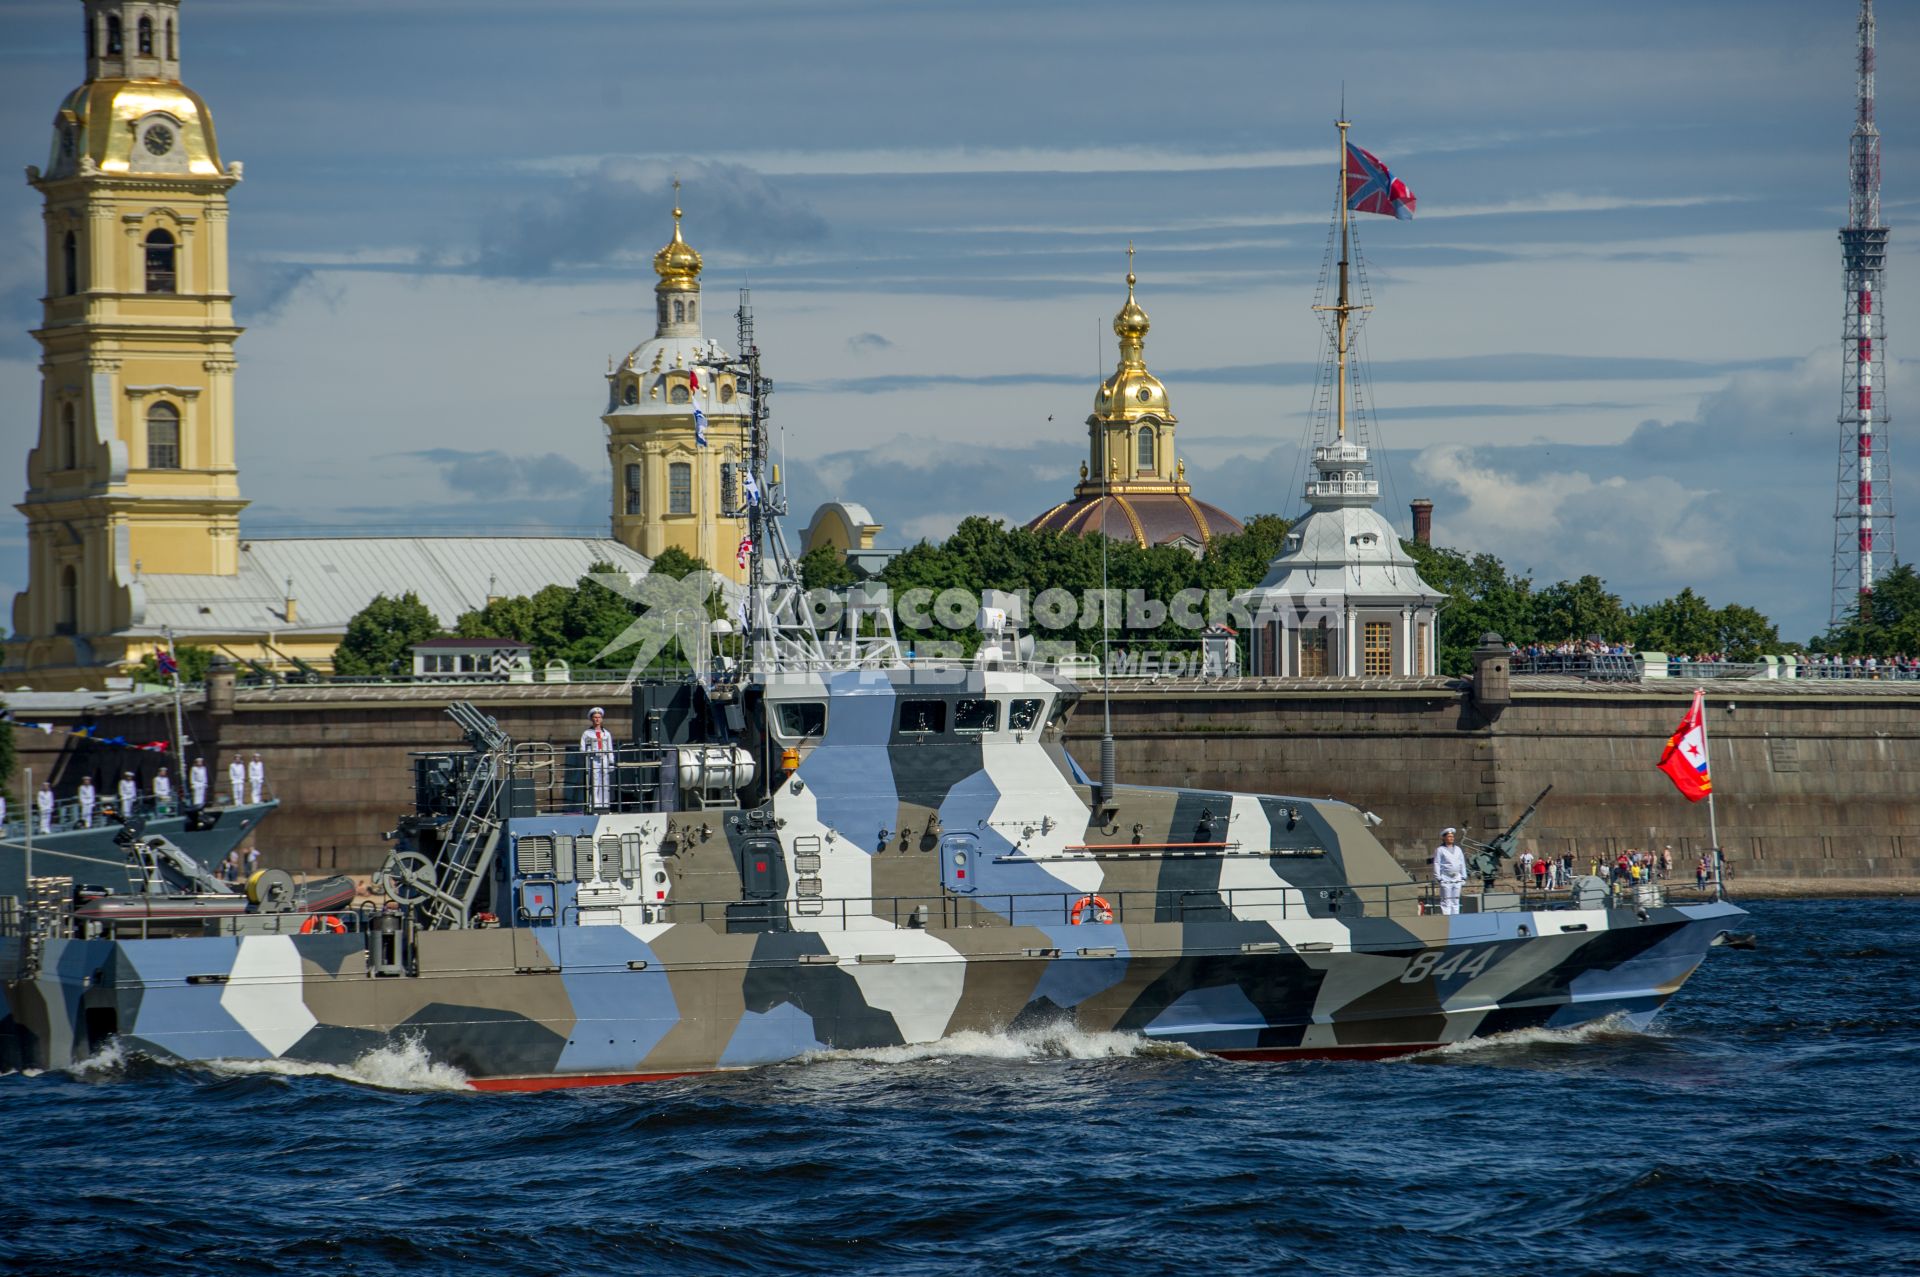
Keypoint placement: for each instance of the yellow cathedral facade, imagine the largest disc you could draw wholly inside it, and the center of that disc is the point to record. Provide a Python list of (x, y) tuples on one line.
[(134, 470), (133, 496), (676, 428)]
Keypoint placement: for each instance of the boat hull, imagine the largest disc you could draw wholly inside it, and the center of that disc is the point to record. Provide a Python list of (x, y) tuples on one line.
[(550, 1007), (92, 855)]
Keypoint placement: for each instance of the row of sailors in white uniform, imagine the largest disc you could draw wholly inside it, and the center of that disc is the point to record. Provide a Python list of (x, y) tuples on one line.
[(242, 777)]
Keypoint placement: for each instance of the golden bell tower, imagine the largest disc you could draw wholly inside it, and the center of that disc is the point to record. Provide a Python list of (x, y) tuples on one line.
[(676, 427), (133, 472)]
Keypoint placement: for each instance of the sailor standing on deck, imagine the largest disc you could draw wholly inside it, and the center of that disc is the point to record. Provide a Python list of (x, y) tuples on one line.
[(129, 795), (596, 748), (86, 796), (197, 782), (257, 778), (1449, 870), (45, 800), (162, 792)]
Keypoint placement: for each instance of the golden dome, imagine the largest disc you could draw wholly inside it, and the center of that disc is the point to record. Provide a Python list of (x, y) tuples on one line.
[(134, 126), (678, 265), (1131, 324)]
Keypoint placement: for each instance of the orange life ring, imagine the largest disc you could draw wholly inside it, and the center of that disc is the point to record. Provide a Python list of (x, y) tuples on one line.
[(1103, 912), (322, 922)]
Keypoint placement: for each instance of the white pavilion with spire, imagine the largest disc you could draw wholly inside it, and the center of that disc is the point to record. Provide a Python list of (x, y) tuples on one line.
[(1342, 599)]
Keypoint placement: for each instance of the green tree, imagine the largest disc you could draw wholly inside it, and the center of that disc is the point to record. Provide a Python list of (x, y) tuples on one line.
[(1482, 598), (1684, 624), (193, 665), (1743, 634), (1239, 560), (379, 637), (1884, 623), (1580, 609), (824, 568)]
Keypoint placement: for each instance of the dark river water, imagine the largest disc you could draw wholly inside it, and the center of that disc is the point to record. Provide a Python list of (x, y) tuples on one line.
[(1766, 1125)]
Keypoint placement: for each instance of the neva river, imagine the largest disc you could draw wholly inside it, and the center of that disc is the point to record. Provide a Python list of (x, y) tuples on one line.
[(1766, 1125)]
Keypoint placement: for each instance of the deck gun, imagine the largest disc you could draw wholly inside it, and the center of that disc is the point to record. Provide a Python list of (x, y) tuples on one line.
[(1488, 856)]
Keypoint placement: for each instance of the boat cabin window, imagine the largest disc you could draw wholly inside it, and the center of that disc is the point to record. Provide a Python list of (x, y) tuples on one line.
[(803, 718), (976, 714), (1024, 715), (923, 718)]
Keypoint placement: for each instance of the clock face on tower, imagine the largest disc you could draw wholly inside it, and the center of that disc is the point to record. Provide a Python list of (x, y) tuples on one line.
[(159, 139)]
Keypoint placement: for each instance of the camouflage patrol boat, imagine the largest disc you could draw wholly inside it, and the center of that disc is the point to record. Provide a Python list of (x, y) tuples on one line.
[(825, 845)]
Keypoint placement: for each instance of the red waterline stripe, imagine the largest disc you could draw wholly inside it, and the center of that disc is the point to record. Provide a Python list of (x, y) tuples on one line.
[(569, 1081), (1280, 1054)]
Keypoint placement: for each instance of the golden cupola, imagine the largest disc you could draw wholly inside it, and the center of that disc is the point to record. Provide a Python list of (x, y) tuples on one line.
[(1133, 484), (678, 264), (1132, 392)]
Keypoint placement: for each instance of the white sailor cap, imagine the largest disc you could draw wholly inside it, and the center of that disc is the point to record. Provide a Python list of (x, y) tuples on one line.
[(596, 710), (1449, 830)]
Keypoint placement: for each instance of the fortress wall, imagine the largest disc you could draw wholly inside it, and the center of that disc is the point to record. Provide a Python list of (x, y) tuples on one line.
[(1810, 783)]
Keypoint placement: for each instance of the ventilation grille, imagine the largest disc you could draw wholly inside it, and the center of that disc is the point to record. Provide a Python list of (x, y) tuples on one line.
[(535, 854)]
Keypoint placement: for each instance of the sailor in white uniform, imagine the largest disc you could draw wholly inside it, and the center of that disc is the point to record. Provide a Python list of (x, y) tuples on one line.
[(162, 792), (237, 780), (257, 778), (45, 799), (86, 796), (596, 748), (197, 782), (1449, 870), (129, 795)]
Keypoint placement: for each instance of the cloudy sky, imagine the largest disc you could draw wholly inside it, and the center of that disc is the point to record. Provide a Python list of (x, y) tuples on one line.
[(1608, 343)]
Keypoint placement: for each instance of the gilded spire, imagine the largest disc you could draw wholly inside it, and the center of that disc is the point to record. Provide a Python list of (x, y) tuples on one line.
[(678, 265), (1131, 324)]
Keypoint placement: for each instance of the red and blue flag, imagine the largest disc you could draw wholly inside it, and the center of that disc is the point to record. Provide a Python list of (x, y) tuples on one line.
[(167, 665), (1371, 189), (1685, 758)]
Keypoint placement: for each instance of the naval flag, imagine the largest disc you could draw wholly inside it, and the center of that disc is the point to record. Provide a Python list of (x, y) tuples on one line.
[(1685, 758), (1371, 189), (164, 662), (693, 396), (752, 487)]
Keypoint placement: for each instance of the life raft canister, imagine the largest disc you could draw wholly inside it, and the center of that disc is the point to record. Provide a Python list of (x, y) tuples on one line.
[(322, 922), (1102, 911)]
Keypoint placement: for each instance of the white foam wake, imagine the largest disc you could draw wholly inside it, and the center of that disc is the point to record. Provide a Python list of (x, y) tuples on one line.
[(1619, 1024), (1053, 1042), (399, 1066)]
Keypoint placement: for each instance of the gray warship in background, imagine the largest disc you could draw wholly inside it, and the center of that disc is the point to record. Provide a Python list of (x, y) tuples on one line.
[(826, 845)]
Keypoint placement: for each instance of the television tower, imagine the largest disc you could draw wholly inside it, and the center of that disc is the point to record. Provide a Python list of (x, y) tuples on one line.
[(1864, 505)]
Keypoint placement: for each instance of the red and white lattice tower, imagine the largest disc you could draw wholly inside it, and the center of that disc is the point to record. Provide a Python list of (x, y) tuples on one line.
[(1863, 515)]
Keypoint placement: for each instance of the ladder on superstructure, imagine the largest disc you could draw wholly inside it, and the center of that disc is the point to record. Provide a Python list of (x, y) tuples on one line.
[(473, 835)]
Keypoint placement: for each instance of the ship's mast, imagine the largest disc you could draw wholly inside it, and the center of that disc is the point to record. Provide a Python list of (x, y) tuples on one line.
[(1863, 505)]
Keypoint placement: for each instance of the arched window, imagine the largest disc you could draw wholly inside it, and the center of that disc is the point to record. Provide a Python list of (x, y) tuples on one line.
[(68, 620), (1146, 448), (677, 395), (679, 311), (113, 34), (693, 312), (726, 392), (69, 438), (145, 29), (70, 263), (680, 488), (172, 49), (160, 262), (661, 304), (632, 393), (633, 489), (163, 437)]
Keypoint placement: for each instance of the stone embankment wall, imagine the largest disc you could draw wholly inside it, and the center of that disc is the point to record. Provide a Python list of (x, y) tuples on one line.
[(1812, 781)]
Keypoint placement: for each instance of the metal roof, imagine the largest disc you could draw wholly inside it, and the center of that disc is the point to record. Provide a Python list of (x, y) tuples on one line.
[(334, 577)]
